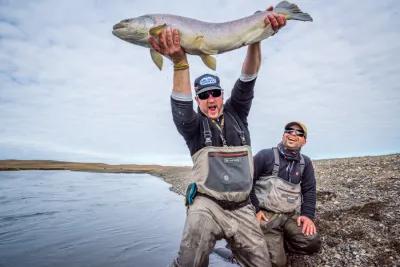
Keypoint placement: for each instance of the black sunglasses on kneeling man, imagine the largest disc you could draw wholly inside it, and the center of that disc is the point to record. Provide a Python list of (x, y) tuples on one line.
[(294, 132)]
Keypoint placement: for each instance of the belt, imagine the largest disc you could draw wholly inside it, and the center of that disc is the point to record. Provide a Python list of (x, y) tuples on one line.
[(291, 213), (225, 204)]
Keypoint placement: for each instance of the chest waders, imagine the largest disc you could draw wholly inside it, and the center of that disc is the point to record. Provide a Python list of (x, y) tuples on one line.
[(276, 194), (224, 174)]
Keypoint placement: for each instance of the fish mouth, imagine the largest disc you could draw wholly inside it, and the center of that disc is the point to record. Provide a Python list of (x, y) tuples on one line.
[(131, 31), (117, 29), (119, 25)]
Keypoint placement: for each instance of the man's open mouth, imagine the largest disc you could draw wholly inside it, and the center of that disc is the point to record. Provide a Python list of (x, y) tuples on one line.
[(212, 108)]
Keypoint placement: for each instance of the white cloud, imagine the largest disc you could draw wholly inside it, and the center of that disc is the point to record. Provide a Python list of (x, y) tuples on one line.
[(70, 89)]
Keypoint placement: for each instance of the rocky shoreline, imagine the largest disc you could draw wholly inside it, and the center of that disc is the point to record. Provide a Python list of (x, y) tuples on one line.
[(358, 206)]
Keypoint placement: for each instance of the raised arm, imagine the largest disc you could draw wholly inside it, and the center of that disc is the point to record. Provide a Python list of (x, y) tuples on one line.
[(243, 93), (252, 62), (185, 119)]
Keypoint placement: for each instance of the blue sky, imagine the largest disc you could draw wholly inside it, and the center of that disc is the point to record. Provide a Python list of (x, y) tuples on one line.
[(70, 90)]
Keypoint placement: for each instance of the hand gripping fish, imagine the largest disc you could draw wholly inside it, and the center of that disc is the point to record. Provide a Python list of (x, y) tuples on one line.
[(204, 38)]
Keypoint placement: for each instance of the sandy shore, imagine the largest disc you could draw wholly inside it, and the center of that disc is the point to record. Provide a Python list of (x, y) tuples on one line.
[(358, 214)]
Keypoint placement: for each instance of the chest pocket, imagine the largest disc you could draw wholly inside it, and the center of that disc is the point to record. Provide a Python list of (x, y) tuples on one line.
[(227, 171)]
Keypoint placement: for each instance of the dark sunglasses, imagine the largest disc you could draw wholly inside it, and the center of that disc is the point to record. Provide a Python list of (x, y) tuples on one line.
[(205, 95), (294, 131)]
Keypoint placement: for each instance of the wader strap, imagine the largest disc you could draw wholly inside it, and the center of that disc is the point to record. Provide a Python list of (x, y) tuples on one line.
[(302, 165), (238, 129), (227, 205), (275, 171), (207, 132)]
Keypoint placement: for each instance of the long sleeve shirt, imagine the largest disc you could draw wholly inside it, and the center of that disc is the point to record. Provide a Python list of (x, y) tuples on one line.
[(189, 122)]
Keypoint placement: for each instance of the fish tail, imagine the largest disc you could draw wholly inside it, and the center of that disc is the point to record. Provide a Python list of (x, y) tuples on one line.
[(292, 11)]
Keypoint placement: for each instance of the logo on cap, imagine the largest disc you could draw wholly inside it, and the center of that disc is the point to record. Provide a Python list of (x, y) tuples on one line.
[(207, 80)]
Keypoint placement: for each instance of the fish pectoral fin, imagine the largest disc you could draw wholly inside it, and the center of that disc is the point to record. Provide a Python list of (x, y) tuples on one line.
[(157, 58), (198, 42), (155, 31), (209, 61), (202, 46)]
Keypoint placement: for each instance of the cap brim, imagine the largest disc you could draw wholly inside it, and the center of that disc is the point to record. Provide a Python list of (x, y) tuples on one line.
[(301, 125), (208, 89)]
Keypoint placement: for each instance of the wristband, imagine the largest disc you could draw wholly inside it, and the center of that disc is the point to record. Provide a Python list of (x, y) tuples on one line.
[(181, 65)]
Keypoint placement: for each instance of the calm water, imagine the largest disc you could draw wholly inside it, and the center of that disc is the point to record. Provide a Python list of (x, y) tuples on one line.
[(61, 218)]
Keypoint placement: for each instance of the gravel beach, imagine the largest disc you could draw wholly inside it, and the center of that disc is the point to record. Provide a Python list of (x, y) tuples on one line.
[(358, 211), (358, 206)]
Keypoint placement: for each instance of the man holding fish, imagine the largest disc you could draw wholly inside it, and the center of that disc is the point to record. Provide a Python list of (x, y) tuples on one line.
[(219, 142)]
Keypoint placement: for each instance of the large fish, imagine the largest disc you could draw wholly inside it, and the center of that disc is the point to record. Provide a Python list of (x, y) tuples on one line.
[(204, 38)]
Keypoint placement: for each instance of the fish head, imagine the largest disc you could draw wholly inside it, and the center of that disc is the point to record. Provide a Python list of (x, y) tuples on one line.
[(134, 30)]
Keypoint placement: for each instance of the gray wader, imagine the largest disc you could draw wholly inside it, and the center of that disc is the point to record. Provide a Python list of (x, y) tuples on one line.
[(221, 209), (280, 201)]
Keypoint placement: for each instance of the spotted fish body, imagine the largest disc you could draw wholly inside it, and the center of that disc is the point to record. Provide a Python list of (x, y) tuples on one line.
[(204, 38)]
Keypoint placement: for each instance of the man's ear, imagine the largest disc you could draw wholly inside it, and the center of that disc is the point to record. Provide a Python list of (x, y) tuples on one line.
[(197, 100), (305, 141)]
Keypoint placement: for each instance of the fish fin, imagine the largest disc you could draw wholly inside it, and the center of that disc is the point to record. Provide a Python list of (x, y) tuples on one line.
[(155, 31), (292, 11), (157, 58), (201, 45), (199, 42), (209, 61)]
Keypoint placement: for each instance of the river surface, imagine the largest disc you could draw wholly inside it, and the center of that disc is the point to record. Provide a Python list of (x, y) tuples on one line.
[(63, 218)]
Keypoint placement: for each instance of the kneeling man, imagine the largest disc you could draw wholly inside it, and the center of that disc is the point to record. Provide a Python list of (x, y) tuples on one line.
[(284, 195)]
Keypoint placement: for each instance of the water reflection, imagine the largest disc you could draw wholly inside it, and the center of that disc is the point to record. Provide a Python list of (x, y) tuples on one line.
[(62, 218)]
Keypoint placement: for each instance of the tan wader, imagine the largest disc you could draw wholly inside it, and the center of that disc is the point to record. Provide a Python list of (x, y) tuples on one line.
[(221, 209), (277, 194), (282, 233), (280, 200), (207, 222)]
